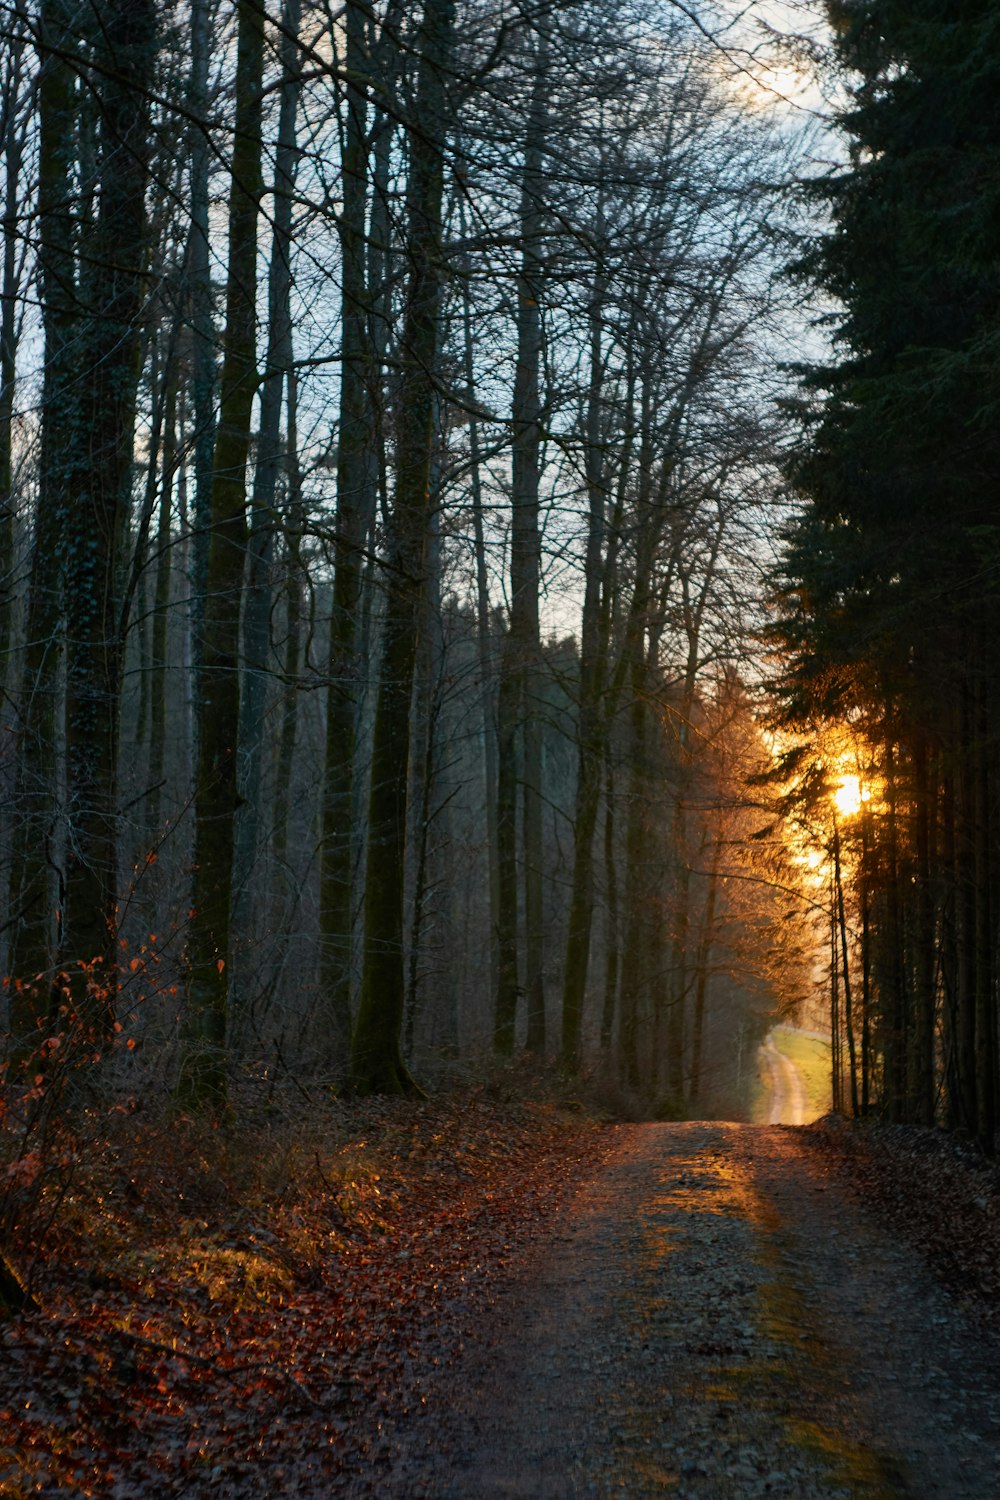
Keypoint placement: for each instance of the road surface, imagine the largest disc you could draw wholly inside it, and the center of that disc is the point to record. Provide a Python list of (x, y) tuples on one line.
[(714, 1318), (787, 1102)]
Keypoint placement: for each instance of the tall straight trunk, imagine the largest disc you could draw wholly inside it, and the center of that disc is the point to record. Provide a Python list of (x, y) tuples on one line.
[(949, 947), (694, 601), (424, 761), (386, 61), (610, 591), (986, 1013), (199, 288), (520, 682), (508, 989), (160, 461), (679, 975), (269, 462), (355, 485), (255, 678), (591, 725), (965, 900), (838, 885), (13, 125), (288, 733), (836, 1071), (376, 1058), (920, 1063), (203, 1068), (866, 963), (384, 254), (99, 519), (632, 672), (137, 598), (896, 1017), (483, 631), (15, 114), (703, 965), (35, 854), (635, 956), (159, 657), (611, 933)]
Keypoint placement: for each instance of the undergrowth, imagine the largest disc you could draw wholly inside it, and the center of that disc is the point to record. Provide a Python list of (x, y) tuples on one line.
[(227, 1307)]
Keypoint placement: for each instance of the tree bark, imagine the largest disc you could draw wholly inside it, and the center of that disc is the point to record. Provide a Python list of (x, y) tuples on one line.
[(99, 519), (34, 856), (518, 703), (159, 659), (921, 1087), (591, 727), (356, 483), (376, 1059), (202, 1082), (484, 637), (199, 286), (702, 973), (288, 733), (845, 969), (986, 1004), (270, 461), (13, 126)]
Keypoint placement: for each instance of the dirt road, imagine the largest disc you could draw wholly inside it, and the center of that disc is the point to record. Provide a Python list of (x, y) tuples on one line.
[(787, 1103), (714, 1318)]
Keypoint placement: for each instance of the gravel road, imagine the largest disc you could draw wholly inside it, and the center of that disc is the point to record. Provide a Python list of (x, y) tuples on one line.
[(787, 1102), (712, 1317)]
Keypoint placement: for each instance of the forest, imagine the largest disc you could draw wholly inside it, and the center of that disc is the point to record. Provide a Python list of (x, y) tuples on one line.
[(499, 602), (496, 557)]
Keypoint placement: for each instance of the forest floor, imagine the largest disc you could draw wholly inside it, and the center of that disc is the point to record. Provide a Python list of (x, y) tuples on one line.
[(489, 1296)]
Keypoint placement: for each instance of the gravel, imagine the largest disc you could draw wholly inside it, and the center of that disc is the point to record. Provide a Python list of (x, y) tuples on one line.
[(714, 1315)]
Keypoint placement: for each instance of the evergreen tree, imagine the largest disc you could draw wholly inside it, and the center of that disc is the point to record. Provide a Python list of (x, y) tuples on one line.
[(888, 590)]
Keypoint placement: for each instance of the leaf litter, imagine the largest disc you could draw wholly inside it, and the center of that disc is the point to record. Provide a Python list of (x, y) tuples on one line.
[(206, 1330)]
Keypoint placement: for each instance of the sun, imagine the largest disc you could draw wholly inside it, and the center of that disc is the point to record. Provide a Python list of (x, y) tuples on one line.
[(850, 796)]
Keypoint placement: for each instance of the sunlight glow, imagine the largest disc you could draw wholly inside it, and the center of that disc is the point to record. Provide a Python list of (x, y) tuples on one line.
[(850, 796)]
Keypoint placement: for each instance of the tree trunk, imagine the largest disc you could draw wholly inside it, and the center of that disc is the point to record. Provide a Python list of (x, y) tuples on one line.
[(159, 660), (895, 1007), (591, 726), (14, 117), (424, 761), (921, 1082), (34, 855), (288, 733), (702, 974), (355, 486), (199, 286), (203, 1069), (838, 886), (264, 519), (634, 979), (519, 691), (986, 1011), (965, 901), (484, 641), (632, 671), (99, 518), (611, 937), (376, 1059)]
